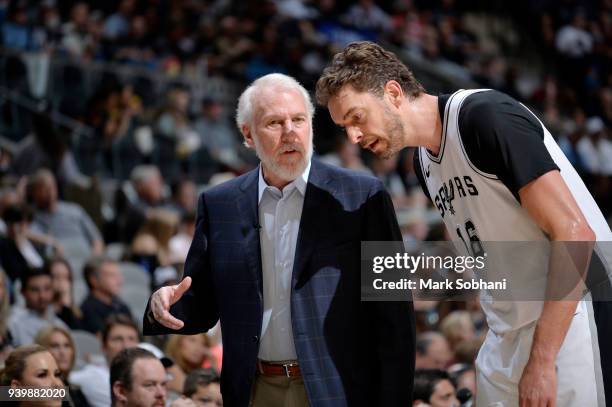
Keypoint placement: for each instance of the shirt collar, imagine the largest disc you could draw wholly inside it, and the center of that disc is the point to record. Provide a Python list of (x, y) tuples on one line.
[(300, 182)]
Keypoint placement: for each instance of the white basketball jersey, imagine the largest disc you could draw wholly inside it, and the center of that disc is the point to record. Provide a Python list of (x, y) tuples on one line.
[(476, 205)]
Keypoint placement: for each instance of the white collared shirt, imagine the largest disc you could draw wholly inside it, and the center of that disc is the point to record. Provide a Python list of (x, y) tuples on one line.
[(279, 216)]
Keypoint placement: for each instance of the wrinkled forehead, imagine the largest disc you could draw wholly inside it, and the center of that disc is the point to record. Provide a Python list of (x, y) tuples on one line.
[(40, 360), (344, 101), (274, 101), (148, 369)]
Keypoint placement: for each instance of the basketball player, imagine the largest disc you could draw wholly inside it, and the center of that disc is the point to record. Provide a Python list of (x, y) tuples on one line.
[(509, 182)]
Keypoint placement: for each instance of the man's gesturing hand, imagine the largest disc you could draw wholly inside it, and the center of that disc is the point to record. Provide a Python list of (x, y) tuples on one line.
[(163, 298)]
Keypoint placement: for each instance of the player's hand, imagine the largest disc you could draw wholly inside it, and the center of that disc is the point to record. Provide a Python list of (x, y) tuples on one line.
[(538, 385), (163, 298)]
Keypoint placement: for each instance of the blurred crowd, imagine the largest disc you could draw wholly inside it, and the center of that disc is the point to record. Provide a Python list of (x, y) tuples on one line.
[(89, 225)]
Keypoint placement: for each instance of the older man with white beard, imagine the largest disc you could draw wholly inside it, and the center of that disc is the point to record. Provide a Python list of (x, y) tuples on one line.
[(276, 257)]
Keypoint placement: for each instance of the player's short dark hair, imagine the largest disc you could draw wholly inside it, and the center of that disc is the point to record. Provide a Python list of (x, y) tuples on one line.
[(92, 268), (114, 320), (121, 367), (32, 273), (425, 381), (199, 377), (365, 66)]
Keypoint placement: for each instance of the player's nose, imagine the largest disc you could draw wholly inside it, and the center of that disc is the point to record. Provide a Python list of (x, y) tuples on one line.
[(354, 134)]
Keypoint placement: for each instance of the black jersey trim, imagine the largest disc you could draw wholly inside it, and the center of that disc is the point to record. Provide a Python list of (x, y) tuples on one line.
[(437, 159), (422, 178), (470, 163)]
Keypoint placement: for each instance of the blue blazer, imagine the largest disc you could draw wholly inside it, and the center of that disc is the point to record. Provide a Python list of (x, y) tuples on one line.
[(351, 353)]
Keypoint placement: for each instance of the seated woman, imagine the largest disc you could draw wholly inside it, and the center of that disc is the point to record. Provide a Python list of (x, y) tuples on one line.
[(61, 345), (63, 299), (32, 366), (189, 352), (22, 249)]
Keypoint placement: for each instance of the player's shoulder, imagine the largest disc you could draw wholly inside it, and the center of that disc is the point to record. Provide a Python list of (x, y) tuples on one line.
[(492, 109), (229, 189), (486, 102), (347, 177)]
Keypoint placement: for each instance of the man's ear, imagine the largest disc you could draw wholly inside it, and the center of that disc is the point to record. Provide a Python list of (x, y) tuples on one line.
[(248, 136), (15, 383), (394, 92), (119, 391)]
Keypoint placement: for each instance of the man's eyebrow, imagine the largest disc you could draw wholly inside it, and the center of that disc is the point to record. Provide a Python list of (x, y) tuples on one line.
[(349, 112)]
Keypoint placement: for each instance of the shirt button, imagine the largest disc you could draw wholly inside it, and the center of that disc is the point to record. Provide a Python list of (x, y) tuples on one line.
[(256, 338)]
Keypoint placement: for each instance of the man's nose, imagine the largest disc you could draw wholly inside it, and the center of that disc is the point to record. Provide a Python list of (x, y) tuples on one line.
[(288, 126), (160, 391), (354, 135)]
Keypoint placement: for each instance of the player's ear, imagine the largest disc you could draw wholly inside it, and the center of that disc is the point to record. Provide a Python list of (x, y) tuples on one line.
[(395, 93), (248, 136), (119, 391)]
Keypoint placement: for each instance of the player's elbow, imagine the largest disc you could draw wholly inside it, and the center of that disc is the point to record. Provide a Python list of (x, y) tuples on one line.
[(586, 234), (576, 230)]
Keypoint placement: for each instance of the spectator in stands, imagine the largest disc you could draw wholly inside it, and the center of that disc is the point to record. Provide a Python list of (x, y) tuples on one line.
[(386, 171), (218, 135), (457, 327), (184, 196), (104, 281), (76, 39), (137, 47), (203, 387), (47, 147), (433, 388), (118, 24), (347, 155), (120, 332), (154, 236), (17, 252), (179, 243), (122, 109), (367, 15), (146, 181), (65, 221), (32, 366), (63, 300), (174, 123), (25, 322), (463, 376), (60, 344), (15, 31), (189, 352), (432, 351), (6, 340), (9, 197), (137, 378)]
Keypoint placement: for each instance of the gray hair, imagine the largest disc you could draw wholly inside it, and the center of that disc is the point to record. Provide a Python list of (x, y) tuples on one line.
[(244, 112), (142, 173)]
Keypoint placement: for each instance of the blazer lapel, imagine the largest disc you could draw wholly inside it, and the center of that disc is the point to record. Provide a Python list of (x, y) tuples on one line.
[(313, 213), (248, 206)]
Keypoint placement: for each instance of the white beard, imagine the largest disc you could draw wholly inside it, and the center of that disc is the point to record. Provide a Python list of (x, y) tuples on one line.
[(286, 172)]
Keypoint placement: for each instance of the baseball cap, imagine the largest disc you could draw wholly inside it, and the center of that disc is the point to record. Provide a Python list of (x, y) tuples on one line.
[(165, 360)]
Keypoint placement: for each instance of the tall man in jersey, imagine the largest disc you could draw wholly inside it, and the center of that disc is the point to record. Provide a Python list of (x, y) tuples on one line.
[(517, 186)]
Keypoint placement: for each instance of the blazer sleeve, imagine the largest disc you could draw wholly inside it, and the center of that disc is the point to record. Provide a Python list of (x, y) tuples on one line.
[(197, 308), (391, 323)]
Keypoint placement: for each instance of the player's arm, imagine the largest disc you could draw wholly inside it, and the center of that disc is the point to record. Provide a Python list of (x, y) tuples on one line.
[(552, 206), (502, 137)]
